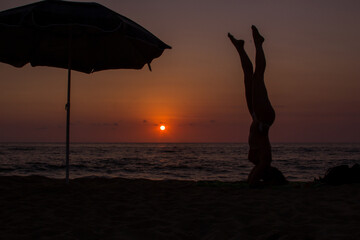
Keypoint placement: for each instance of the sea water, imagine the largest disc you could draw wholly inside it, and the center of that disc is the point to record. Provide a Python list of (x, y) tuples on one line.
[(181, 161)]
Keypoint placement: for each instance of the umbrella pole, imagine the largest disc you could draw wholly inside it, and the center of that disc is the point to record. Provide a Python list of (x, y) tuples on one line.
[(68, 111), (68, 126)]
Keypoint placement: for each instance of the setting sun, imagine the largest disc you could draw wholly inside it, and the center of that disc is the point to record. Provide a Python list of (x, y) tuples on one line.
[(162, 127)]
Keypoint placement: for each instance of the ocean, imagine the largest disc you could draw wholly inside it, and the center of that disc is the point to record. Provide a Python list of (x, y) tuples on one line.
[(180, 161)]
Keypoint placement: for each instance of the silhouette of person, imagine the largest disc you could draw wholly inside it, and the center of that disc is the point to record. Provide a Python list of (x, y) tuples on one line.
[(262, 113)]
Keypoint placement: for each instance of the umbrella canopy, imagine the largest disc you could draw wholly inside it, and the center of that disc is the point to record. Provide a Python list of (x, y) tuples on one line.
[(101, 39), (86, 37)]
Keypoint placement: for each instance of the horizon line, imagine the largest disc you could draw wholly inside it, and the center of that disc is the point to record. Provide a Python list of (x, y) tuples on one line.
[(40, 142)]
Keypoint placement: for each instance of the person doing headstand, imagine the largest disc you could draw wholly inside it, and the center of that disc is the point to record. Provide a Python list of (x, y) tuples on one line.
[(261, 111)]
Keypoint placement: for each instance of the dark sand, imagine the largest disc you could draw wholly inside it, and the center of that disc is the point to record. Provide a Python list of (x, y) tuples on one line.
[(98, 208)]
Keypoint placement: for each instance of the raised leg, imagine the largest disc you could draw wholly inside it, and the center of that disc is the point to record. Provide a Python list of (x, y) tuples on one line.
[(263, 110), (247, 69)]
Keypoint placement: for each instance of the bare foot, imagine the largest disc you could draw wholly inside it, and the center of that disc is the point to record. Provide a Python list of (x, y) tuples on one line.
[(239, 44), (258, 39)]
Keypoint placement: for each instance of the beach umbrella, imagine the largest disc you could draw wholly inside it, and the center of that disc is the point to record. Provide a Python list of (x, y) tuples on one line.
[(82, 36)]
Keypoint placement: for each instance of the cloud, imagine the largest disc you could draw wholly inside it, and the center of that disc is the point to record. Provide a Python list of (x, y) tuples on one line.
[(152, 124), (204, 123)]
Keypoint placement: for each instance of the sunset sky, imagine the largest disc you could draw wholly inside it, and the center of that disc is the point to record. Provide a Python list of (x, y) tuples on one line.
[(196, 89)]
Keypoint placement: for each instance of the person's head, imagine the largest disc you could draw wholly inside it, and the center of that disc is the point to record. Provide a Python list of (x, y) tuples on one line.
[(273, 176)]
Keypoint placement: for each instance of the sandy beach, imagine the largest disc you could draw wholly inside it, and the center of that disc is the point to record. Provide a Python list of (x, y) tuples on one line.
[(98, 208)]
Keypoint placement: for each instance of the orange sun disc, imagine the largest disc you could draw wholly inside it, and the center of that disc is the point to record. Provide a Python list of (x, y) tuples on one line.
[(162, 127)]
